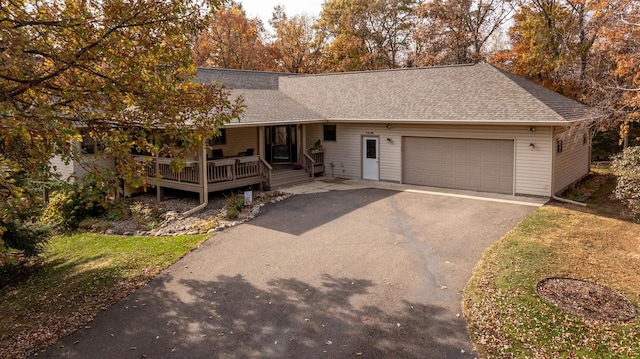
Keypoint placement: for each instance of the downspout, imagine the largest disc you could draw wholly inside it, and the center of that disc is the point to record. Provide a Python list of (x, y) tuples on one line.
[(560, 199), (553, 176), (205, 183)]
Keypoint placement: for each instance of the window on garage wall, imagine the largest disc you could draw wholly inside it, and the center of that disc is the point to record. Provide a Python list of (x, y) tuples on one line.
[(330, 133)]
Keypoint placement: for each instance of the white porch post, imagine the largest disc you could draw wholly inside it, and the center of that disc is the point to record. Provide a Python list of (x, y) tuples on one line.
[(159, 190), (203, 173), (261, 144), (303, 141)]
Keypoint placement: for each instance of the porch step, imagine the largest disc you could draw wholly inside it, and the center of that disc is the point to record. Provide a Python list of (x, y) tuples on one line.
[(287, 178)]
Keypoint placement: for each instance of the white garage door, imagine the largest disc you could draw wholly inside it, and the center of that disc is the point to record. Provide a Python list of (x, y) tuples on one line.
[(473, 164)]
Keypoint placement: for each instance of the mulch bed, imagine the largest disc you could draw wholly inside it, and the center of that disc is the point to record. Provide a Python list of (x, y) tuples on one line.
[(587, 300)]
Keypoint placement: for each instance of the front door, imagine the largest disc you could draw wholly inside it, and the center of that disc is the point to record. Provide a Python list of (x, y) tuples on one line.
[(281, 144), (370, 158)]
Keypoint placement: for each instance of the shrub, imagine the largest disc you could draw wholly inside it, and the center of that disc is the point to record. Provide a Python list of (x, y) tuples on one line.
[(626, 166), (234, 205), (68, 207), (28, 237), (147, 215)]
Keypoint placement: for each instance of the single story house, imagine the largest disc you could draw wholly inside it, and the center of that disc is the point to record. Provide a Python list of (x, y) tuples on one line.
[(472, 127)]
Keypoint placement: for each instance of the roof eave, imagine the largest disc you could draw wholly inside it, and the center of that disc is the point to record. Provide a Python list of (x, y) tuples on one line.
[(274, 123), (458, 122), (405, 122)]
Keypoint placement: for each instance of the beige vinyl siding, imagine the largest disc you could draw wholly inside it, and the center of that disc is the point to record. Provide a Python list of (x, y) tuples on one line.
[(314, 133), (533, 169), (239, 139), (65, 170), (532, 164), (88, 161), (572, 164), (342, 156)]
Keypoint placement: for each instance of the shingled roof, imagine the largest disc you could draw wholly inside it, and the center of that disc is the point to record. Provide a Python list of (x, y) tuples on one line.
[(477, 94)]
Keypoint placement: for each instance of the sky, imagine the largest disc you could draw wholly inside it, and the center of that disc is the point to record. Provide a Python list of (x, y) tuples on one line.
[(264, 8)]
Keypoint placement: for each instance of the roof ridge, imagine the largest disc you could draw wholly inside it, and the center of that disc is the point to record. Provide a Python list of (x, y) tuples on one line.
[(399, 69), (205, 68)]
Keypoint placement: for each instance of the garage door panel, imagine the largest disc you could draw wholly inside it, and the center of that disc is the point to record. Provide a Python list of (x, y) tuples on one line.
[(491, 171), (475, 169), (482, 165), (462, 156), (506, 172), (475, 156), (461, 169), (490, 157), (503, 158)]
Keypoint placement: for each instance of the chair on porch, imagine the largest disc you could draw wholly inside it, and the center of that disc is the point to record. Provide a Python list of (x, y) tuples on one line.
[(216, 154), (248, 152)]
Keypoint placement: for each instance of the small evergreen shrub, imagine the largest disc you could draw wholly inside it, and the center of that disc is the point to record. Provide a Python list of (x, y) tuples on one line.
[(28, 237)]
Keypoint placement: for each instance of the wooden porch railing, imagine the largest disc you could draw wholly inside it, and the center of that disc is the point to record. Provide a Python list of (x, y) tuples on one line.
[(309, 164), (266, 169), (231, 169), (190, 174), (221, 170), (318, 157), (314, 162)]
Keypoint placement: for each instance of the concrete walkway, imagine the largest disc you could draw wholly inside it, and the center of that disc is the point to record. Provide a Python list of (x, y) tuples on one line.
[(344, 184), (343, 269)]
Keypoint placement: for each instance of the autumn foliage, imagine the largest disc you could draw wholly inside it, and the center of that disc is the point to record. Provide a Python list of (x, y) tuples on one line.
[(117, 68)]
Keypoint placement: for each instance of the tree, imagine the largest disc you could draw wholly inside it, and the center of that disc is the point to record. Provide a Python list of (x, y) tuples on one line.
[(552, 41), (296, 47), (232, 41), (456, 32), (120, 68), (613, 74), (366, 35)]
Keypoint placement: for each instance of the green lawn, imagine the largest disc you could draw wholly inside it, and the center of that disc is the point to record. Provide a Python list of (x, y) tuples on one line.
[(508, 319), (80, 275)]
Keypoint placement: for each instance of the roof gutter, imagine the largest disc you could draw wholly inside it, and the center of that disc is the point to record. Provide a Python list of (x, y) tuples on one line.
[(454, 122), (273, 123), (403, 122)]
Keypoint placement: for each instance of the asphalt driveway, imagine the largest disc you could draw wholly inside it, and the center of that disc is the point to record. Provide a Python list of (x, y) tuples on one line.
[(370, 273)]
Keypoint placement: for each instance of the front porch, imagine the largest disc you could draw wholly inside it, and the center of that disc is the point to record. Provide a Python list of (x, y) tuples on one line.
[(241, 157), (228, 173)]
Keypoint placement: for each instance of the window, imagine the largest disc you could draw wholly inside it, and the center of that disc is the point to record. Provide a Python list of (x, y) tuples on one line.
[(559, 146), (372, 149), (330, 132), (219, 140), (88, 145)]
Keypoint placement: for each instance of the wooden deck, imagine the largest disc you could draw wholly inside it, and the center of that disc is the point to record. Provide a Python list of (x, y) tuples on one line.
[(221, 174), (226, 173)]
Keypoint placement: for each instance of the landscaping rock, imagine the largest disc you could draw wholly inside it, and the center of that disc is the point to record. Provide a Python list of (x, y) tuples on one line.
[(171, 222)]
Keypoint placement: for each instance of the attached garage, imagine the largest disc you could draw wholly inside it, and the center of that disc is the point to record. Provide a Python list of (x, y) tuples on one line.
[(473, 127), (473, 164)]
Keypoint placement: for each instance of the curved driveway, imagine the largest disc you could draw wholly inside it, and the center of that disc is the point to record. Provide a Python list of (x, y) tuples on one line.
[(368, 272)]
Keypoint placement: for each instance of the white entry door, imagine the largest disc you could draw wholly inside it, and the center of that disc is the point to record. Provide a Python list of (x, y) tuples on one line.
[(370, 158)]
